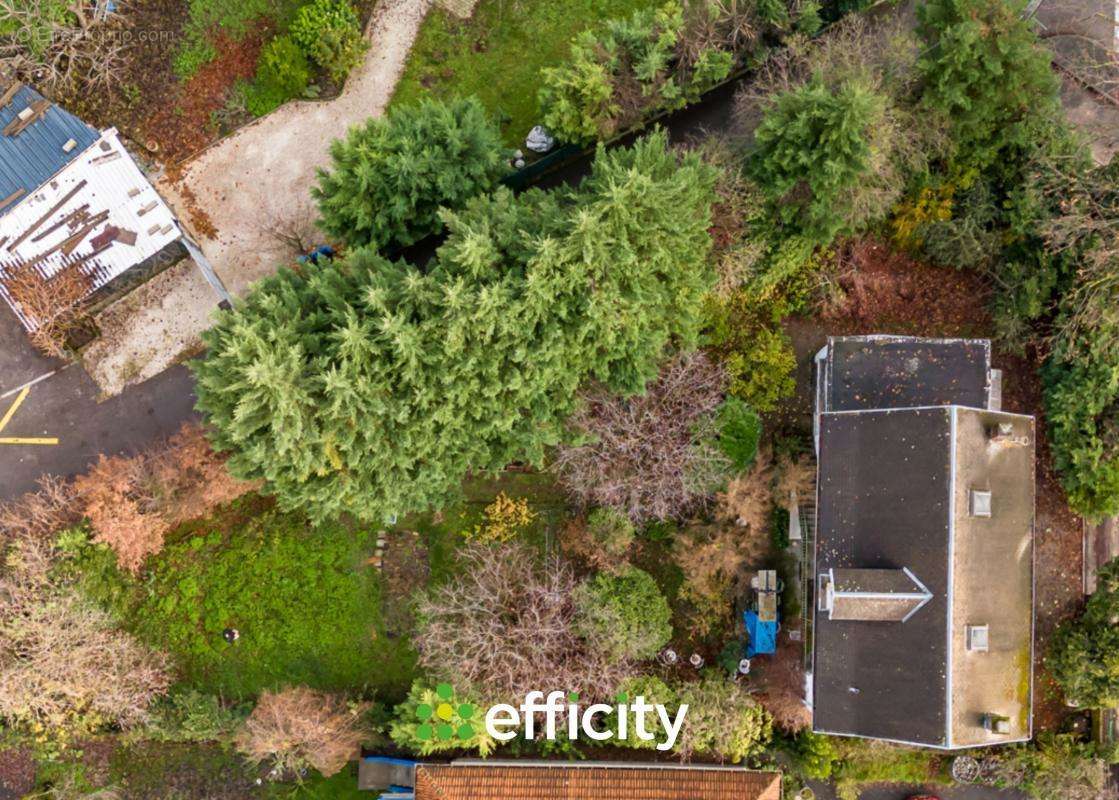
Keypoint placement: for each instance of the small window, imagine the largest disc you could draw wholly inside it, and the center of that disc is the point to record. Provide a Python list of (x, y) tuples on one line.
[(977, 638), (980, 503)]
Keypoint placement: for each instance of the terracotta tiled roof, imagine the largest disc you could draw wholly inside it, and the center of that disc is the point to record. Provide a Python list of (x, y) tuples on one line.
[(506, 781)]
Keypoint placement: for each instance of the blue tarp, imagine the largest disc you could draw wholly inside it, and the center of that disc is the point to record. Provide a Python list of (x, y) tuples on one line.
[(761, 636)]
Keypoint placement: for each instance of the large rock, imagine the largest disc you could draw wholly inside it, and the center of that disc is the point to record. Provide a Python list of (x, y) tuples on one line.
[(539, 140)]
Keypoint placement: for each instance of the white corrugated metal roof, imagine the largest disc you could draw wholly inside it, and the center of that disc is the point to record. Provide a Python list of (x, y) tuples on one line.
[(103, 182)]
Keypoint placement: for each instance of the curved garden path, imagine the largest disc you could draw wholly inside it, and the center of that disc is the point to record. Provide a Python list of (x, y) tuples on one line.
[(259, 178)]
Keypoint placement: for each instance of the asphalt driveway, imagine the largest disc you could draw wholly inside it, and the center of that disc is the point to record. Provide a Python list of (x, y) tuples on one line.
[(62, 404)]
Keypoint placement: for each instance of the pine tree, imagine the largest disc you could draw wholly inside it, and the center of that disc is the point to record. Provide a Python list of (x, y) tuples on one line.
[(813, 147), (390, 177), (373, 388)]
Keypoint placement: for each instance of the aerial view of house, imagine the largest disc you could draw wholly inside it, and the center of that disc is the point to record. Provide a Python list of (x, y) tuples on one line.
[(924, 546), (524, 400)]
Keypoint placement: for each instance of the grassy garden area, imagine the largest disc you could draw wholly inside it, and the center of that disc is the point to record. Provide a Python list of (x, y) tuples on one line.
[(498, 53)]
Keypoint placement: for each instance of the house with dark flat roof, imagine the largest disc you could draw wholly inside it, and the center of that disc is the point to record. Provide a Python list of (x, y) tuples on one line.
[(470, 779), (923, 613)]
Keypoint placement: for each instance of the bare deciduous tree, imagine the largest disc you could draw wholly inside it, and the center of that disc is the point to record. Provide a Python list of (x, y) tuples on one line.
[(299, 728), (63, 663), (54, 305), (82, 48), (653, 456), (507, 626)]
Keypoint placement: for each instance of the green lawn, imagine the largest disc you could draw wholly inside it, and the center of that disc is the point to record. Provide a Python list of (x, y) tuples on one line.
[(497, 54), (306, 604)]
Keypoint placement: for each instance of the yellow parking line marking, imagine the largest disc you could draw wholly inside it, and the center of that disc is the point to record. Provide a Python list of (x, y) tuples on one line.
[(11, 412)]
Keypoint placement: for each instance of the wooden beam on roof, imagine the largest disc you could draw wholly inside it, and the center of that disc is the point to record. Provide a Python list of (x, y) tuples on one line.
[(16, 195), (53, 209), (9, 93), (23, 121), (73, 216)]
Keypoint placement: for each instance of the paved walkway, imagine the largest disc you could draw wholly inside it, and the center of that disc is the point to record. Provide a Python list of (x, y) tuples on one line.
[(261, 176)]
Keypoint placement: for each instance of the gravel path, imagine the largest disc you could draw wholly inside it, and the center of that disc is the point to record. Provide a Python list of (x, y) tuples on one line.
[(259, 179)]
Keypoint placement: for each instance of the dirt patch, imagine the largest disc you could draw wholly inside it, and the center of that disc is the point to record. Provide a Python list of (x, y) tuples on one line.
[(17, 773), (406, 569), (885, 291), (194, 118), (881, 287)]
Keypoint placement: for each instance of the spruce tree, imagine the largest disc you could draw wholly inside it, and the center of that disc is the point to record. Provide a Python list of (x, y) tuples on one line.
[(390, 176), (373, 388)]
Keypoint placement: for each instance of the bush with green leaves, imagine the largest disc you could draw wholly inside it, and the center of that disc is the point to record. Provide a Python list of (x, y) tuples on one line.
[(611, 532), (1084, 653), (372, 388), (625, 614), (756, 353), (740, 429), (329, 31), (625, 71), (438, 719), (656, 692), (282, 73), (724, 721), (986, 72), (812, 149), (188, 715), (1056, 767), (814, 755), (1081, 378), (390, 177), (658, 59)]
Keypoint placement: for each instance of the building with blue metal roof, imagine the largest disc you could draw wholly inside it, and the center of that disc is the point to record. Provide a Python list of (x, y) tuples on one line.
[(33, 156)]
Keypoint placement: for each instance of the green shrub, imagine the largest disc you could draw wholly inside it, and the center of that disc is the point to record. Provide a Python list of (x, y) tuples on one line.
[(188, 715), (626, 614), (1081, 378), (740, 429), (626, 70), (757, 354), (863, 762), (1084, 653), (390, 177), (282, 73), (329, 31), (813, 147), (814, 755), (316, 379), (417, 721), (779, 527), (656, 692), (612, 532), (233, 19), (986, 72), (1057, 766), (723, 721)]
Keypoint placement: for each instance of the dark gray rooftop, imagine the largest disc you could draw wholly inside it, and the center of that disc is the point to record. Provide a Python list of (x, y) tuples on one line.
[(883, 502), (29, 160), (905, 372)]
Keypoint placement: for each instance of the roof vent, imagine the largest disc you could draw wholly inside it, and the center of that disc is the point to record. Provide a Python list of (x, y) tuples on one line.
[(996, 723), (69, 146), (980, 503), (977, 638)]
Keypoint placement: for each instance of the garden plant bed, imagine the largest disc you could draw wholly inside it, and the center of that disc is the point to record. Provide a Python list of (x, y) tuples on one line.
[(497, 54)]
